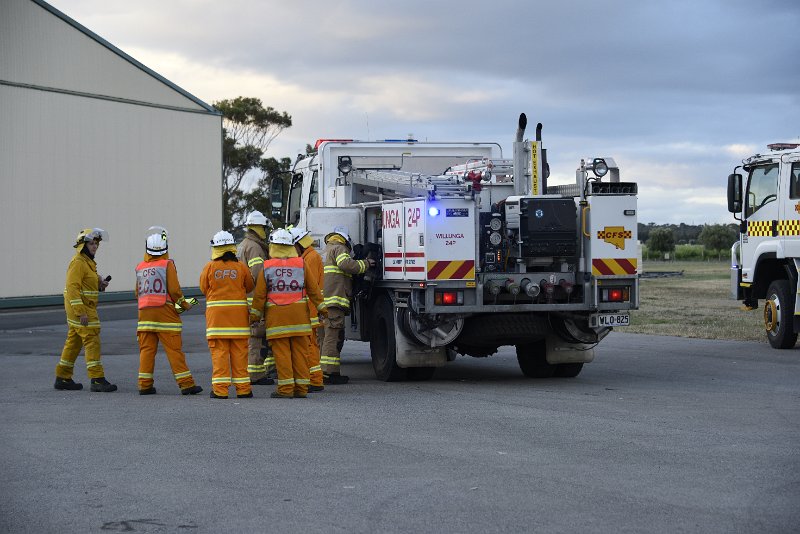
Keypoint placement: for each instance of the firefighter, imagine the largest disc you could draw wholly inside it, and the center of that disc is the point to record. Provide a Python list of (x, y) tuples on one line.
[(80, 303), (158, 293), (313, 261), (252, 251), (226, 282), (339, 269), (284, 287)]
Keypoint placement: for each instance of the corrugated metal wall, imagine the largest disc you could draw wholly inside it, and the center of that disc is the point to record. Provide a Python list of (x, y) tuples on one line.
[(69, 161)]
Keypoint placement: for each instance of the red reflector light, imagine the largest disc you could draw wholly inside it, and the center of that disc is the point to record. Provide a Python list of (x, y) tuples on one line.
[(615, 294), (448, 298)]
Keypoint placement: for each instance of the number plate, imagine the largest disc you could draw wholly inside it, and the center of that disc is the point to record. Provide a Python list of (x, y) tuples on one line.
[(613, 319)]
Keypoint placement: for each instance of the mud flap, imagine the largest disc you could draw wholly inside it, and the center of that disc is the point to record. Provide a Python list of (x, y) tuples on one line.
[(560, 351), (412, 354)]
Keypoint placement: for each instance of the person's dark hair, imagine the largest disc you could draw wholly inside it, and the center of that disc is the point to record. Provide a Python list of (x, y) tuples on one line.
[(228, 256)]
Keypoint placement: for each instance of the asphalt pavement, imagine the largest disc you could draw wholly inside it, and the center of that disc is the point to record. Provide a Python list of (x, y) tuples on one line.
[(658, 434)]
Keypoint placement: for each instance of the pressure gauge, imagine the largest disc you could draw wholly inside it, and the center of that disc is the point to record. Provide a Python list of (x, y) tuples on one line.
[(495, 238), (495, 224)]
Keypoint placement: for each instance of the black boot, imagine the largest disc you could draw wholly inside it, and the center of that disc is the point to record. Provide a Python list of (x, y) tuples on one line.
[(193, 390), (102, 385), (148, 391), (276, 395), (244, 395), (263, 381), (67, 383), (335, 378), (312, 389), (215, 396)]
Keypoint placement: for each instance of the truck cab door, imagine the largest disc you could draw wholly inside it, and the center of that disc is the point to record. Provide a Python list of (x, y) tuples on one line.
[(761, 217), (789, 225)]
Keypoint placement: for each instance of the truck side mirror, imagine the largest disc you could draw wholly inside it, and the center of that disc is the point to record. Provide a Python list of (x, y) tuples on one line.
[(276, 197), (734, 193)]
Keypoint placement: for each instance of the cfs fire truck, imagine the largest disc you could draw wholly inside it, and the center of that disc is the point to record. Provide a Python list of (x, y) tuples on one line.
[(765, 261), (474, 251)]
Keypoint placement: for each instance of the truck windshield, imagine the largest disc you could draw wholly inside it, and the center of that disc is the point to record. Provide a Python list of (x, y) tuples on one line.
[(762, 187), (295, 196)]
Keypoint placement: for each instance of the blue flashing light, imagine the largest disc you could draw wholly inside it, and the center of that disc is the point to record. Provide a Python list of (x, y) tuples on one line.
[(433, 211)]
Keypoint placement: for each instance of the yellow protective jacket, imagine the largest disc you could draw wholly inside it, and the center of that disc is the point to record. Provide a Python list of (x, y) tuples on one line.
[(164, 318), (226, 285), (339, 270), (252, 251), (314, 268), (289, 320), (82, 291)]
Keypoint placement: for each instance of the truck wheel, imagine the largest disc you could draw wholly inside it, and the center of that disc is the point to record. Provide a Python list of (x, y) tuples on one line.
[(383, 345), (568, 370), (779, 315), (532, 360)]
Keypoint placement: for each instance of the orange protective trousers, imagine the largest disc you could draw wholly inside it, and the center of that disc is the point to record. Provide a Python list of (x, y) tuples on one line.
[(291, 359), (314, 367), (172, 342), (77, 338), (229, 365)]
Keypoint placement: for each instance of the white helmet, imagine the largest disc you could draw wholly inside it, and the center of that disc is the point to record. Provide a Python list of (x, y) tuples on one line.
[(222, 238), (342, 231), (298, 234), (281, 237), (257, 218), (156, 243), (90, 234)]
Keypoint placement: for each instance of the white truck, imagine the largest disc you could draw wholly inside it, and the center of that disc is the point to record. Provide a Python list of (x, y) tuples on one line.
[(474, 251), (765, 261)]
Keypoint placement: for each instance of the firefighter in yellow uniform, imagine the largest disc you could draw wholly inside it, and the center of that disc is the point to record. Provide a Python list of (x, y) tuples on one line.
[(283, 289), (226, 282), (303, 242), (158, 292), (80, 303), (252, 251), (339, 269)]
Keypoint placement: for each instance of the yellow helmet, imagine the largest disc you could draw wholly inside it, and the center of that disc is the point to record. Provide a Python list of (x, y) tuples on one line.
[(90, 234)]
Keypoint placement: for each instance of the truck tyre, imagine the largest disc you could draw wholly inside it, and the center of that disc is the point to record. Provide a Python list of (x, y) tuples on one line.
[(532, 360), (568, 370), (779, 315), (382, 343)]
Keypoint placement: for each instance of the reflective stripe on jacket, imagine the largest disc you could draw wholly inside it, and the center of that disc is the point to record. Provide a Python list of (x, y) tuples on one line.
[(291, 319), (313, 262), (81, 291), (338, 271), (225, 285)]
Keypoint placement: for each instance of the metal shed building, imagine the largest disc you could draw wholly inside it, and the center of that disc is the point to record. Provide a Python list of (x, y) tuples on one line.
[(90, 137)]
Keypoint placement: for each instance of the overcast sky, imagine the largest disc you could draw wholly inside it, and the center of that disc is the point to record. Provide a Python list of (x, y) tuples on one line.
[(677, 92)]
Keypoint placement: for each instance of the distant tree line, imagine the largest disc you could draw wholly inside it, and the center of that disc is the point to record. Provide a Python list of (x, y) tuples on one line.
[(661, 239)]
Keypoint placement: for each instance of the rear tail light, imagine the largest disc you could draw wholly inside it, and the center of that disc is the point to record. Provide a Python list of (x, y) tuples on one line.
[(615, 294), (448, 298)]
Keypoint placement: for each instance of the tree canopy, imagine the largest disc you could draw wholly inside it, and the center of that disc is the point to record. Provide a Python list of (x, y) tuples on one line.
[(661, 240), (248, 129), (718, 237)]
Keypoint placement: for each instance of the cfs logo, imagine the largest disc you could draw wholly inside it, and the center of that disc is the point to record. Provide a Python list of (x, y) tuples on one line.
[(615, 235)]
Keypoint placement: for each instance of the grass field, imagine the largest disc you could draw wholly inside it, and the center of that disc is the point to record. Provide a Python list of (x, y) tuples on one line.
[(697, 304)]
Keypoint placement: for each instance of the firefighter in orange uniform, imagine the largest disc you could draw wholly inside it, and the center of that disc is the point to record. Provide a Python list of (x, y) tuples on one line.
[(284, 288), (80, 302), (158, 292), (303, 242), (226, 282)]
